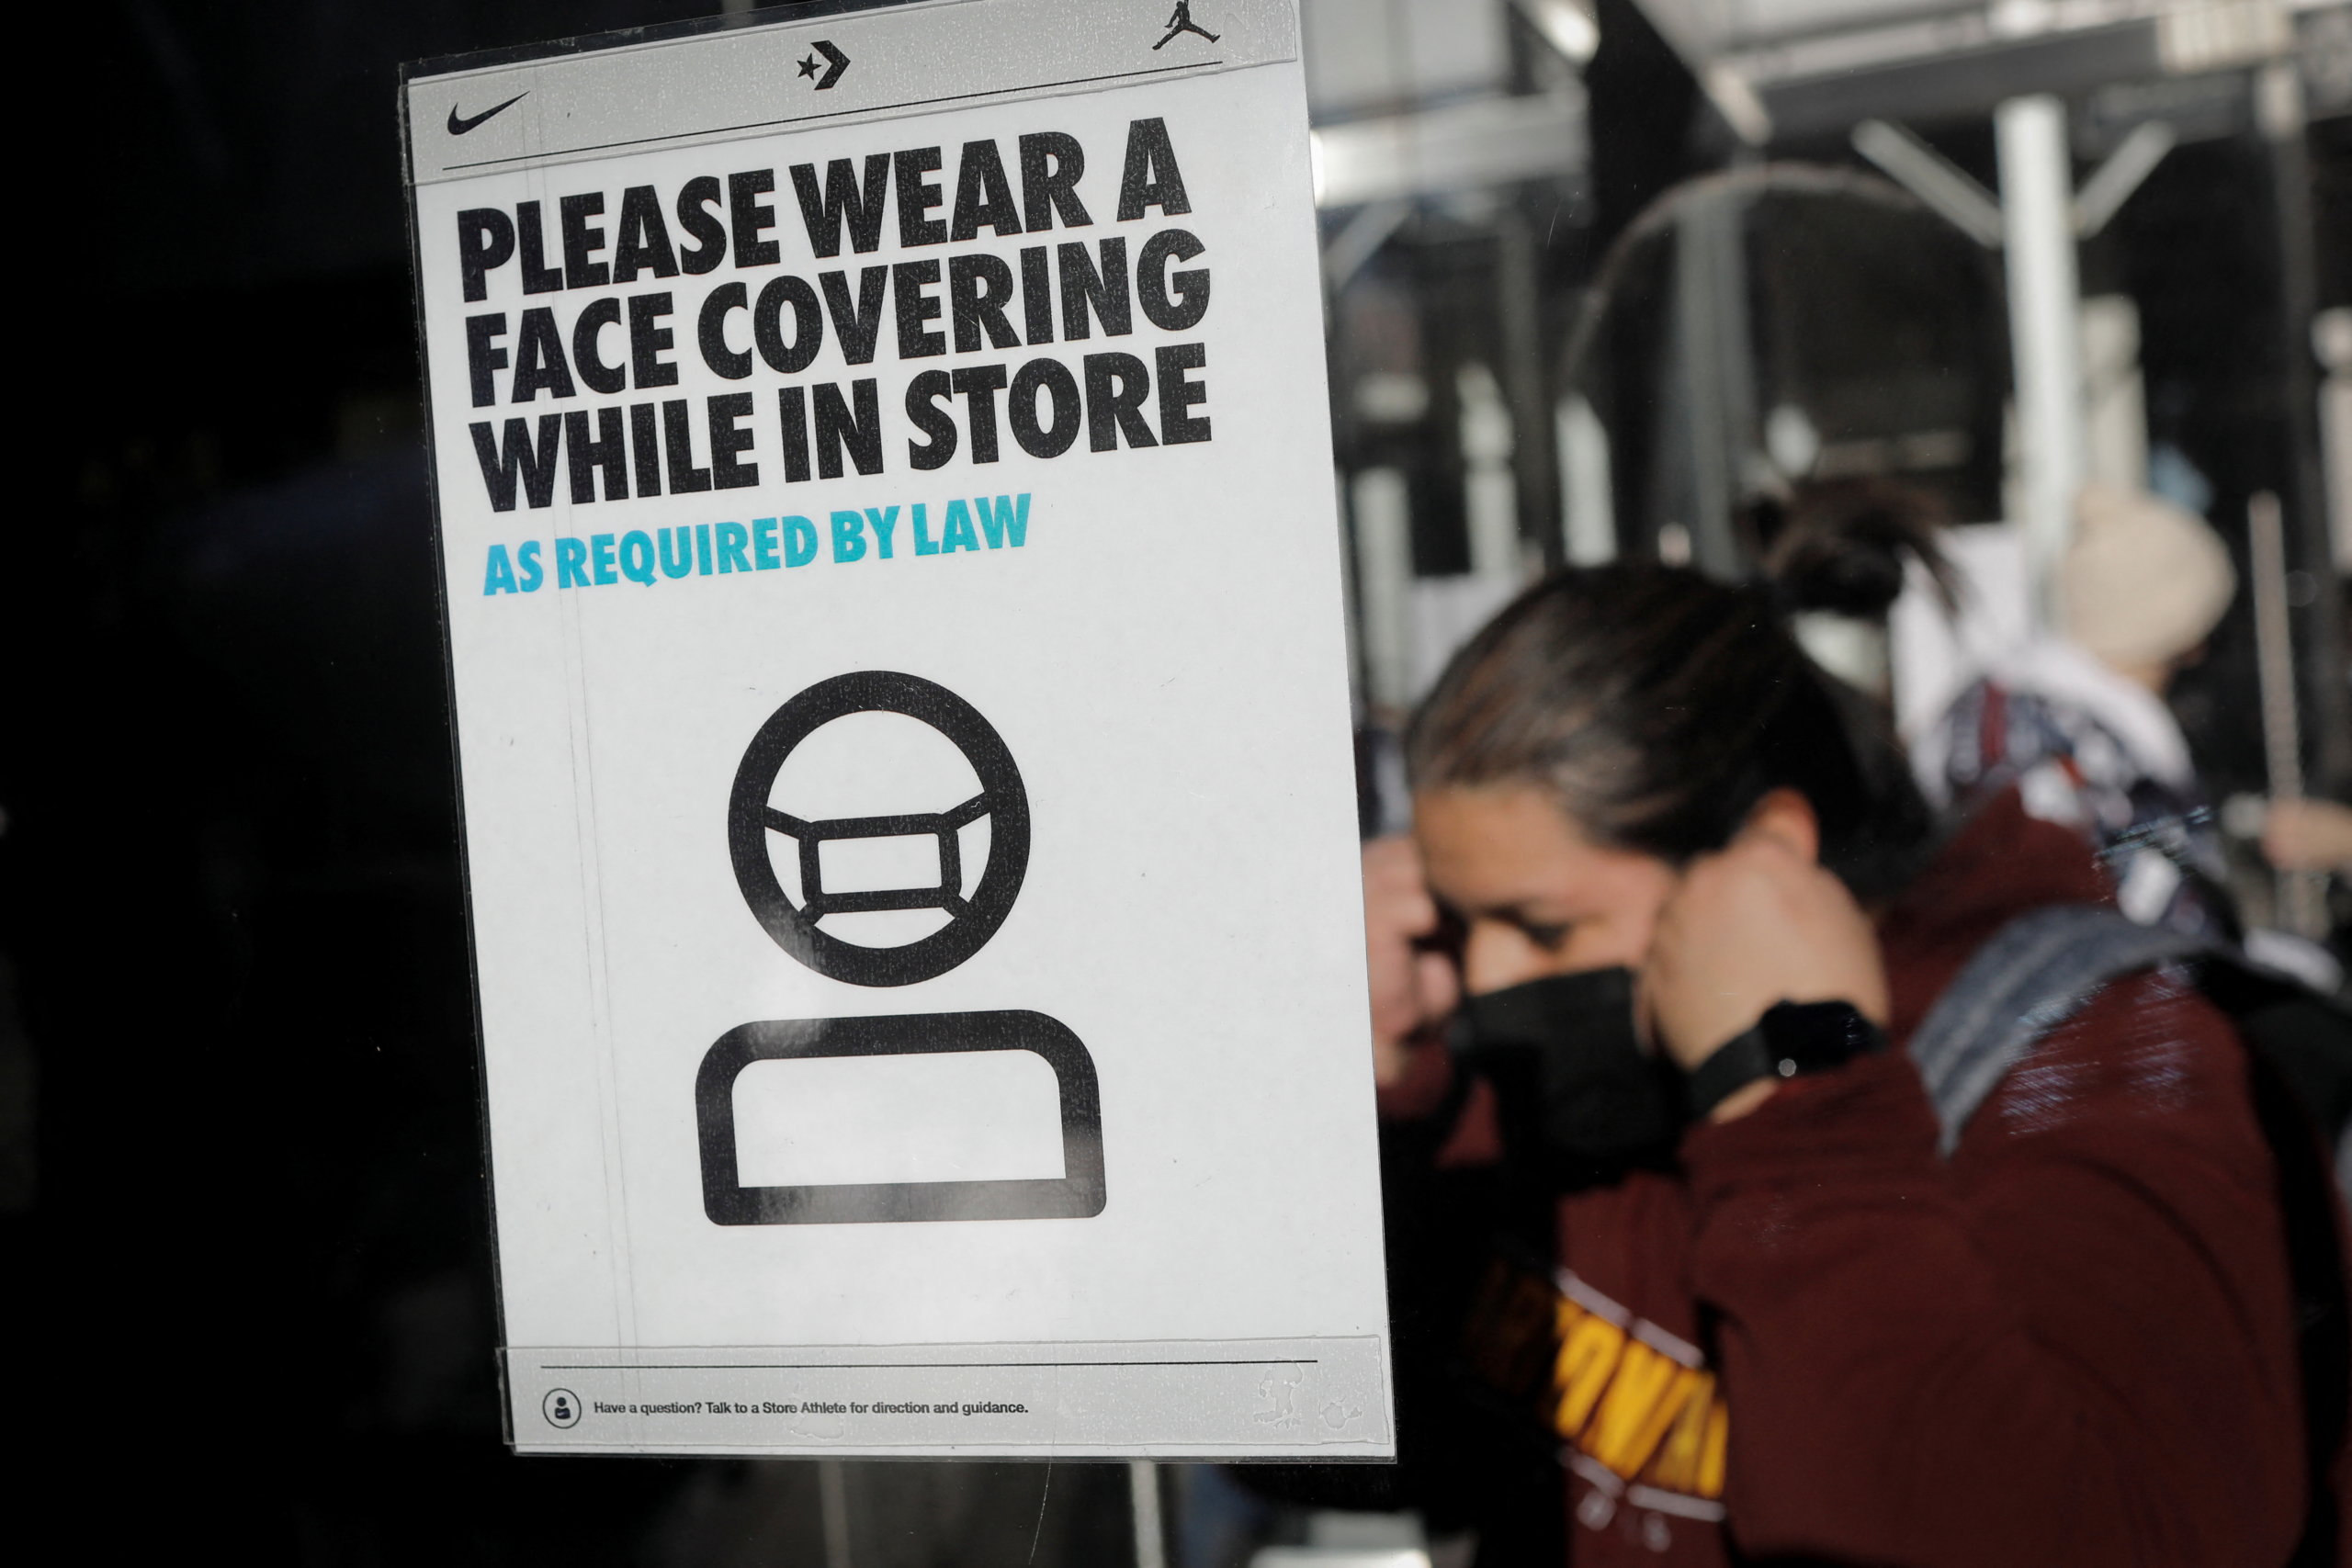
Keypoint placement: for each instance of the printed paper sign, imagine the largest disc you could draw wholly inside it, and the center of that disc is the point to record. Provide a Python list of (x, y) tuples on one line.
[(895, 623)]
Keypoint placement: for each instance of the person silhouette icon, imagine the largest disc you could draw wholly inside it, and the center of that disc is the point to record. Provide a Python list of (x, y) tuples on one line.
[(561, 1407), (1180, 21), (953, 802)]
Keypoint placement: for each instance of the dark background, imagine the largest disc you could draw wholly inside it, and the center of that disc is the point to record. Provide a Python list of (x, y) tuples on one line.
[(248, 1257), (243, 1241)]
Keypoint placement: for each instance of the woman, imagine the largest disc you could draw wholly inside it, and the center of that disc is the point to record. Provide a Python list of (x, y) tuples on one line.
[(2080, 722), (1793, 1329)]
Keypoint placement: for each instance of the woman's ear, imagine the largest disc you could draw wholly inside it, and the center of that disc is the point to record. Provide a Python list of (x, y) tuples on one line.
[(1786, 816)]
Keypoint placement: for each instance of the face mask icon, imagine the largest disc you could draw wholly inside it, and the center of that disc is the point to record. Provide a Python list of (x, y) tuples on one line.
[(974, 907), (888, 898)]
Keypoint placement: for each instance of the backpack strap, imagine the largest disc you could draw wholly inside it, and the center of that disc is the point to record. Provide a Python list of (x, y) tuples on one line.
[(2034, 974)]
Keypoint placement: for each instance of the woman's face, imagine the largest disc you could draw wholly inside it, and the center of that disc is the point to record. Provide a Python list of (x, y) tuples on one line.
[(1538, 898)]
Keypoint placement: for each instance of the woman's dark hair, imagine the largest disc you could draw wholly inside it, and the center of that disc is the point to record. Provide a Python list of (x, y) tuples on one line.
[(1658, 706), (1844, 544)]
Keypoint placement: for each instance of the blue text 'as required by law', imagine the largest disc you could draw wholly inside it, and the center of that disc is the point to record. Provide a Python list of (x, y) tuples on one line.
[(645, 556)]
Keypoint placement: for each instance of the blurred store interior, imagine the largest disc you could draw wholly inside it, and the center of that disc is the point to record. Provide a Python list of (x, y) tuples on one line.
[(1602, 277)]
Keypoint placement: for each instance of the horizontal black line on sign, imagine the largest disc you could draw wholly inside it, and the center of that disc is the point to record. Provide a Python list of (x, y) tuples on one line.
[(899, 1366), (832, 114)]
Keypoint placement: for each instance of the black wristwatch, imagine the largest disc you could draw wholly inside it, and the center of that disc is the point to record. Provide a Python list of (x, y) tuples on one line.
[(1790, 1039)]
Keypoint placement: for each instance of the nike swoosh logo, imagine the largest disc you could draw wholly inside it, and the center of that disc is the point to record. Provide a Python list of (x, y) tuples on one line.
[(458, 127)]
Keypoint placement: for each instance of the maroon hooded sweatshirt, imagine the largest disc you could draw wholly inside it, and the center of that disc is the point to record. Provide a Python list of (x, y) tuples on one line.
[(2069, 1343)]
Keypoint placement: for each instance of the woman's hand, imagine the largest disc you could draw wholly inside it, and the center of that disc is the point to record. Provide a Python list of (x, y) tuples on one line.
[(1757, 924), (1411, 989)]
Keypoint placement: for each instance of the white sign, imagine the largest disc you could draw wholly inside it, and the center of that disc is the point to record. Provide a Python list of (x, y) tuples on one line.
[(894, 617)]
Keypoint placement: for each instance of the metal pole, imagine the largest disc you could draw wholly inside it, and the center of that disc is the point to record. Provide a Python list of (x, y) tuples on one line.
[(1589, 503), (2332, 339), (1487, 436), (1718, 375), (2037, 207), (2278, 113), (1382, 513), (1534, 459), (1933, 178), (833, 1508), (1143, 1489), (2301, 906)]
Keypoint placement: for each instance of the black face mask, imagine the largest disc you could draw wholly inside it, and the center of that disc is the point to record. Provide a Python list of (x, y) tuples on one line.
[(1580, 1101)]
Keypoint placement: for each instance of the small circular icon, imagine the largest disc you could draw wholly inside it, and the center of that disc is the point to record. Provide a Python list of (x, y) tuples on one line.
[(751, 818), (561, 1407)]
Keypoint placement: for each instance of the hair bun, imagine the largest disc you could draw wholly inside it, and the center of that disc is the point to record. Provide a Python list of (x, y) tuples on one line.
[(1845, 545)]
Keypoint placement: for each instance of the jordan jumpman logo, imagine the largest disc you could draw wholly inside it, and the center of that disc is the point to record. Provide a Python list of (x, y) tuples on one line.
[(1181, 22)]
